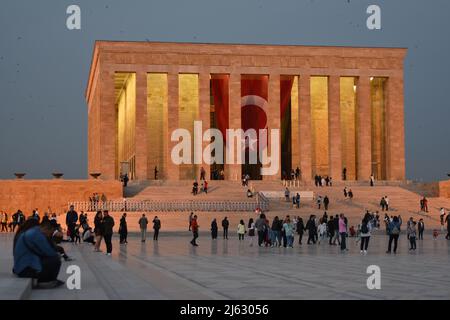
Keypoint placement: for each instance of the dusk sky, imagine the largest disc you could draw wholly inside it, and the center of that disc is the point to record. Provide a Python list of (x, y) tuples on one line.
[(44, 66)]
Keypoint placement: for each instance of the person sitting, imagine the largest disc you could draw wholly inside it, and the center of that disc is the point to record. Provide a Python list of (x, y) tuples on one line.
[(88, 236), (352, 231), (249, 193), (34, 255)]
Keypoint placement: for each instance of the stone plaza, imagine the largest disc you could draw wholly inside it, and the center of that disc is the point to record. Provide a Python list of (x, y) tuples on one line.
[(231, 270)]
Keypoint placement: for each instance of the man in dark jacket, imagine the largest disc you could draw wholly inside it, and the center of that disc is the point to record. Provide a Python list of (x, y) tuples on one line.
[(331, 231), (312, 229), (71, 222), (326, 202), (225, 225), (108, 224), (156, 227)]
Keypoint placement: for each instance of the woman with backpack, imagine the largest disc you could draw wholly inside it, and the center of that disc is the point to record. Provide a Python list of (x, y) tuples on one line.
[(394, 233), (366, 229)]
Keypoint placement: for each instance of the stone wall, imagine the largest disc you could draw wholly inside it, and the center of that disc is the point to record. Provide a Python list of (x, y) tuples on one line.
[(27, 195), (444, 189)]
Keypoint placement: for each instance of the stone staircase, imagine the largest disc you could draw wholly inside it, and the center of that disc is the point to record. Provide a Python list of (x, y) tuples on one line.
[(402, 202)]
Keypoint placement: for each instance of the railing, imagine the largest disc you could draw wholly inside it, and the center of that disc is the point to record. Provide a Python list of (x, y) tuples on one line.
[(126, 205)]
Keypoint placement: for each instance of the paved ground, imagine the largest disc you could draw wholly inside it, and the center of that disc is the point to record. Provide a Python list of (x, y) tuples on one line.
[(173, 269)]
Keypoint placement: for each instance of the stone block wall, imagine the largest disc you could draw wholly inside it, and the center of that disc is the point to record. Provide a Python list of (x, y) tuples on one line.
[(52, 195)]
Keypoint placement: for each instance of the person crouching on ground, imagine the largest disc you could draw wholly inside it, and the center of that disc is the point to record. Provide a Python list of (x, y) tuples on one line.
[(34, 256)]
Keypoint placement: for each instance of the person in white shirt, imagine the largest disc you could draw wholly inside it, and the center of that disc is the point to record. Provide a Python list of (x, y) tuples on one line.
[(322, 230), (387, 202)]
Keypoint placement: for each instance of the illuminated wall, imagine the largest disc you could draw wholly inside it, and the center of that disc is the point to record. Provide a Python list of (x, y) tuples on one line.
[(319, 125), (295, 122), (378, 110), (157, 93), (188, 112), (126, 113), (348, 125)]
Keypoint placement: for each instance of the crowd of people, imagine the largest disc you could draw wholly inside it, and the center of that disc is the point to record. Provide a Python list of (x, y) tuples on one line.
[(38, 251), (328, 228)]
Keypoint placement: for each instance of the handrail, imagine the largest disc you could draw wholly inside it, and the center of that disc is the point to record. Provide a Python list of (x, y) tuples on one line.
[(129, 205)]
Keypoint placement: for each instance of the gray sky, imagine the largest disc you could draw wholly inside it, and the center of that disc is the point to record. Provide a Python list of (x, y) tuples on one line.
[(44, 67)]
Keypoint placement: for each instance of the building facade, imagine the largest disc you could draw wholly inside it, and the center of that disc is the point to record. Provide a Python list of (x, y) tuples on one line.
[(337, 108)]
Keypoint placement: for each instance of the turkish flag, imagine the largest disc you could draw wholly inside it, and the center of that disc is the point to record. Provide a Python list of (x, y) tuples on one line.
[(219, 87), (254, 94)]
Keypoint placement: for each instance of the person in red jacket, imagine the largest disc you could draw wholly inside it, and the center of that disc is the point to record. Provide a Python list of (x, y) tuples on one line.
[(194, 227)]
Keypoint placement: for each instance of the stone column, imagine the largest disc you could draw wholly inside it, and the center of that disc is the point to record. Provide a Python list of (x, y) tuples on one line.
[(273, 121), (108, 127), (204, 114), (304, 110), (172, 124), (364, 130), (334, 128), (234, 171), (395, 134), (141, 130)]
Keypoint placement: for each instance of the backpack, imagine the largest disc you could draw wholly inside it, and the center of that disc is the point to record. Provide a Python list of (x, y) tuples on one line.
[(365, 228), (395, 230)]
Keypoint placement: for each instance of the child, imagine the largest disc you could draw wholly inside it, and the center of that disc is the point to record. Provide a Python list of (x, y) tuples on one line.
[(435, 234), (77, 235), (352, 231), (412, 235)]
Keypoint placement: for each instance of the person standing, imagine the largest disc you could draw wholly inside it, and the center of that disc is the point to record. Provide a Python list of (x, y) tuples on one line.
[(123, 229), (251, 231), (202, 173), (394, 233), (191, 215), (289, 232), (241, 230), (372, 180), (156, 228), (300, 228), (366, 229), (421, 228), (71, 221), (322, 230), (383, 204), (98, 230), (350, 194), (287, 194), (343, 232), (447, 219), (225, 225), (386, 199), (143, 222), (194, 227), (331, 230), (125, 180), (326, 202), (312, 229), (260, 226), (412, 235), (442, 218), (214, 229), (319, 202), (4, 221), (108, 224), (276, 229)]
